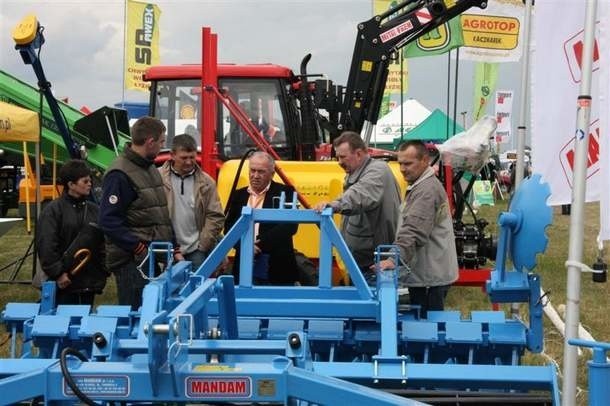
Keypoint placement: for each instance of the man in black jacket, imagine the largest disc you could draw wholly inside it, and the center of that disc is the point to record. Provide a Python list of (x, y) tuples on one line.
[(67, 225), (273, 241)]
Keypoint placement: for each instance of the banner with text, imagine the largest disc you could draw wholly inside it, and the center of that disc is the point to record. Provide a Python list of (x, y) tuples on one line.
[(556, 78), (397, 77), (397, 72), (493, 34), (504, 112), (141, 42)]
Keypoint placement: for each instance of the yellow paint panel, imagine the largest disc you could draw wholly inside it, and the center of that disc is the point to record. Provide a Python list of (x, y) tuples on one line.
[(490, 41), (366, 66), (215, 368), (320, 181)]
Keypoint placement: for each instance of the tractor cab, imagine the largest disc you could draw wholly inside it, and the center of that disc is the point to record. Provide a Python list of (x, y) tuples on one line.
[(262, 92)]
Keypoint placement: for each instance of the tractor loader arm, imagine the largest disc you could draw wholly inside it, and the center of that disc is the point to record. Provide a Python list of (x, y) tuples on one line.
[(378, 42)]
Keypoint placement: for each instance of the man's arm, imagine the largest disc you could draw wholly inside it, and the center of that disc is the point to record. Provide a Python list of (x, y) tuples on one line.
[(117, 195)]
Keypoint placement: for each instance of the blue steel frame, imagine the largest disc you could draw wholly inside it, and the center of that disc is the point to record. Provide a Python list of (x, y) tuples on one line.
[(321, 344), (599, 372)]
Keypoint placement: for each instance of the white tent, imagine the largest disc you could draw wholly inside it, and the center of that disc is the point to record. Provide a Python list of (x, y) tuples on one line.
[(388, 126)]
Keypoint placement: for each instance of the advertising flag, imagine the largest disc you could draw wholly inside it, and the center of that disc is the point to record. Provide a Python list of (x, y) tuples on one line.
[(493, 34), (397, 77), (141, 42), (485, 78), (504, 112), (556, 79), (397, 74), (442, 39)]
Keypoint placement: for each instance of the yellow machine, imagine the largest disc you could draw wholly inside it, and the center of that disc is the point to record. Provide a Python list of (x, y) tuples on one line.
[(317, 181)]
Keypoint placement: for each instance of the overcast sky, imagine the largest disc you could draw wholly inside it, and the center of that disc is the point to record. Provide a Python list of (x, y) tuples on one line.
[(83, 53)]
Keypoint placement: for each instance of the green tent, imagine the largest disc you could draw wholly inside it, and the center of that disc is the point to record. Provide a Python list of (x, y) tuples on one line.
[(433, 128)]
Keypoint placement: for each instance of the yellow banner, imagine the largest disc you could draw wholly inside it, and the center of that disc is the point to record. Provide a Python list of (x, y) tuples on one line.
[(491, 32), (18, 124), (142, 42)]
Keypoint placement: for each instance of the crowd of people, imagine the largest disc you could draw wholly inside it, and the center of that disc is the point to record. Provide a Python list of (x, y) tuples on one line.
[(80, 243)]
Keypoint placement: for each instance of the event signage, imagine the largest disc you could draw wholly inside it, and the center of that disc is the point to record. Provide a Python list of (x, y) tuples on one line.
[(556, 80), (218, 387), (142, 43), (493, 34), (504, 111)]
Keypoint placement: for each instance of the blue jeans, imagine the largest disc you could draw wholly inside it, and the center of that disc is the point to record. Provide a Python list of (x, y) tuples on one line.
[(196, 257), (130, 284)]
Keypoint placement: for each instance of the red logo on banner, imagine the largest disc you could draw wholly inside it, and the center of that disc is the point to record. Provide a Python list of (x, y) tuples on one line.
[(572, 49), (567, 154)]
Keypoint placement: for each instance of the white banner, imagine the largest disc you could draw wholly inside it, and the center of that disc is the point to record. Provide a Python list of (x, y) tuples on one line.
[(504, 112), (493, 34), (558, 34)]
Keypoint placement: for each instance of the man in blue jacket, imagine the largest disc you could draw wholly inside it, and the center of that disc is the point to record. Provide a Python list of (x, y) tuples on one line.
[(133, 210)]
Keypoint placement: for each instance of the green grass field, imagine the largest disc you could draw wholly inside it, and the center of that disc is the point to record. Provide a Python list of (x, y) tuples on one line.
[(595, 298)]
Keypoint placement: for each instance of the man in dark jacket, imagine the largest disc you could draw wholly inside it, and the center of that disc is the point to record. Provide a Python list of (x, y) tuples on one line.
[(273, 241), (133, 210), (67, 225)]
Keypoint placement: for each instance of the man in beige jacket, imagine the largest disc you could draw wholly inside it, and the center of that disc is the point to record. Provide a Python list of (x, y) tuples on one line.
[(192, 200)]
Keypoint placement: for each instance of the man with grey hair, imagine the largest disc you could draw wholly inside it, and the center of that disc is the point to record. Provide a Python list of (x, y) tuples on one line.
[(192, 200), (273, 246), (369, 203)]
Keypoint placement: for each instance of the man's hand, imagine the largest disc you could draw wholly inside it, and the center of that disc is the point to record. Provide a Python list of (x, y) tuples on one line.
[(63, 281), (257, 249), (323, 205), (385, 264), (178, 254)]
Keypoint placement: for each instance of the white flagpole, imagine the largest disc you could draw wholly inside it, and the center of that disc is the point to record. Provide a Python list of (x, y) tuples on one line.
[(521, 130), (124, 49), (521, 133), (575, 250)]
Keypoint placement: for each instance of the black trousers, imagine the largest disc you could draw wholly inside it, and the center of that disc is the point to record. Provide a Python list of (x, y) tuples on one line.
[(76, 298), (428, 298)]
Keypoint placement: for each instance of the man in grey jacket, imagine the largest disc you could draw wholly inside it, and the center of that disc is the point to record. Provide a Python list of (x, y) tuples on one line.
[(369, 203), (424, 233)]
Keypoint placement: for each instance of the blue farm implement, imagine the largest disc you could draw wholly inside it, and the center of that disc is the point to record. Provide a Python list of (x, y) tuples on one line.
[(202, 339)]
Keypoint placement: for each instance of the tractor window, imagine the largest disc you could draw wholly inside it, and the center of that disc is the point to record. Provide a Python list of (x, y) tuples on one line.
[(177, 105), (260, 99)]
